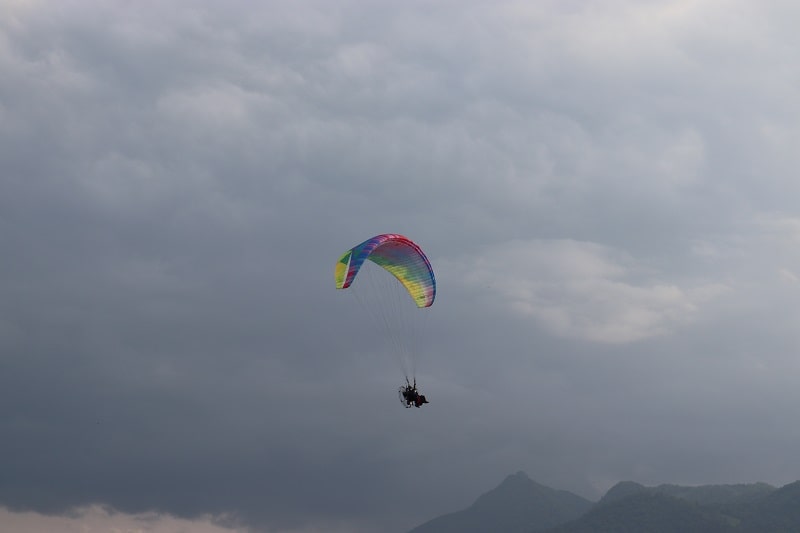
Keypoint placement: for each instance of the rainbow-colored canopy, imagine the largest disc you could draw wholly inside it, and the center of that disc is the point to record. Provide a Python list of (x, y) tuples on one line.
[(397, 254)]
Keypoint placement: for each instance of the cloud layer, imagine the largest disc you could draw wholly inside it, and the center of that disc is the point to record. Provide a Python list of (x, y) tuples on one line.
[(607, 192)]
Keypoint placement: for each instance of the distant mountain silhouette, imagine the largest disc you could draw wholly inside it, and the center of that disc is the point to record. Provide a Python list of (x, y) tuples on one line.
[(520, 505), (719, 494), (629, 507), (517, 505), (779, 512), (703, 494), (649, 511), (622, 490)]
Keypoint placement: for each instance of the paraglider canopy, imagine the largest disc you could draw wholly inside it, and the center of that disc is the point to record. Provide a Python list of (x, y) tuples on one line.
[(398, 255)]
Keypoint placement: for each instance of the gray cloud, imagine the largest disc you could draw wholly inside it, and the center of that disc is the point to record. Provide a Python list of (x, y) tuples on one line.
[(605, 191)]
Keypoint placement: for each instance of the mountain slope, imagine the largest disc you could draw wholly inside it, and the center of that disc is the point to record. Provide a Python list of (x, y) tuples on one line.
[(718, 494), (703, 494), (651, 512), (517, 505), (622, 490), (779, 512)]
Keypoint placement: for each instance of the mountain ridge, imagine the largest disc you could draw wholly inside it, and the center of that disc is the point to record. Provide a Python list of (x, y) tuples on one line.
[(517, 505), (521, 505)]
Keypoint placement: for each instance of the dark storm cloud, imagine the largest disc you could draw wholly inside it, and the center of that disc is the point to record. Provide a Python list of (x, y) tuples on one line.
[(606, 196)]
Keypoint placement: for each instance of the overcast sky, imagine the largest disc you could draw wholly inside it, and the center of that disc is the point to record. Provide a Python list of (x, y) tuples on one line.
[(607, 191)]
